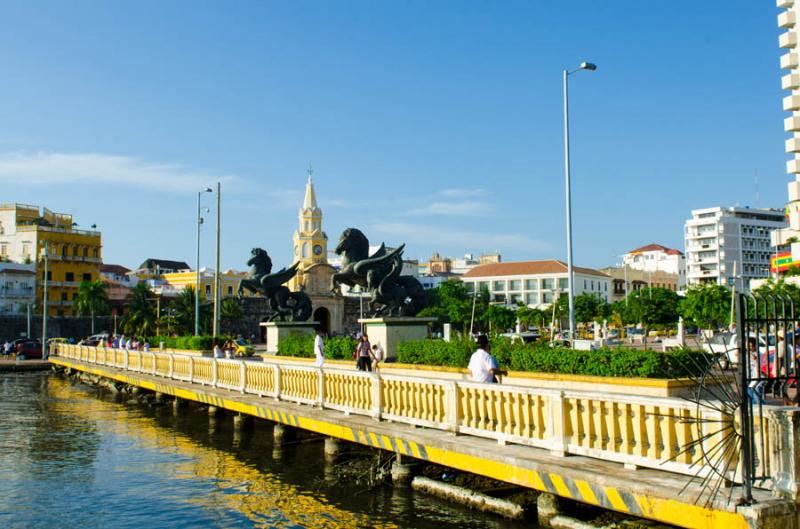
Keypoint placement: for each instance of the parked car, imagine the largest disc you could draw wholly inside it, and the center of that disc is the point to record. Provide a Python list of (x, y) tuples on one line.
[(524, 337), (95, 339), (29, 349), (244, 348), (727, 343)]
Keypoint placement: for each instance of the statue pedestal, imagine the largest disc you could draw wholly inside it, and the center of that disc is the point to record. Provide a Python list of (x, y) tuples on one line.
[(278, 330), (388, 332)]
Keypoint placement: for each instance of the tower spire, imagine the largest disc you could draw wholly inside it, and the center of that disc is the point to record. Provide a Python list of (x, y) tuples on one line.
[(310, 200)]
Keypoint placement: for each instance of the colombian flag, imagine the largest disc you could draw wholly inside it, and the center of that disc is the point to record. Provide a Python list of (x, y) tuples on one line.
[(783, 261)]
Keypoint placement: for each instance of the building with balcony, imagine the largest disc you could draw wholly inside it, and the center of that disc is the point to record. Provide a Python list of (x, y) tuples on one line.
[(74, 255), (720, 239), (789, 237), (626, 280), (17, 287), (535, 283)]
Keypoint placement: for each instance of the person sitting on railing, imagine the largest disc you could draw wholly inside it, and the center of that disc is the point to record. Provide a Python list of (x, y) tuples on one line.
[(217, 349), (377, 356), (482, 364)]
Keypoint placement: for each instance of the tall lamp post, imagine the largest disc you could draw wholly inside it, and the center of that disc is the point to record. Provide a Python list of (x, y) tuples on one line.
[(197, 267), (216, 270), (591, 67), (44, 303)]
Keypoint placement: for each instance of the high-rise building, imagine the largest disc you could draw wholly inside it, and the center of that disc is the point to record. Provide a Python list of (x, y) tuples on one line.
[(789, 237), (719, 239), (74, 255)]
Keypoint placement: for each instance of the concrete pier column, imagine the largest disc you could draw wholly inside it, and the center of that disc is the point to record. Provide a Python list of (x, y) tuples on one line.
[(547, 508), (159, 397), (403, 471), (334, 448), (178, 405), (213, 411), (282, 433), (241, 421)]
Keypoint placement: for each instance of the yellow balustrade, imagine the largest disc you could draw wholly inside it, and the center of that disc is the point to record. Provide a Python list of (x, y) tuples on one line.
[(148, 362), (180, 367), (229, 374), (162, 364), (203, 370), (299, 384), (499, 410), (260, 378), (348, 390), (134, 360), (119, 357), (410, 400)]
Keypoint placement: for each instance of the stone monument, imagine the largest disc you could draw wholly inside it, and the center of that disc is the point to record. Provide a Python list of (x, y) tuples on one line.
[(395, 299), (287, 312)]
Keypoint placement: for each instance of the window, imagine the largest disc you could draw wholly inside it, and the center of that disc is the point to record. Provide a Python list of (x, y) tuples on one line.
[(64, 251), (585, 284), (499, 285), (531, 284), (49, 275), (74, 251), (532, 299), (500, 298), (86, 251), (483, 285), (306, 251), (63, 296), (516, 298), (515, 284), (230, 291), (74, 296), (563, 282), (94, 253), (208, 290), (547, 284), (547, 297), (69, 276), (87, 277), (470, 286)]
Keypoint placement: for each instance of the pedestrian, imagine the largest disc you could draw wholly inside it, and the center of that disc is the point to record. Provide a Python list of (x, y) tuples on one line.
[(482, 364), (217, 349), (319, 348), (7, 348), (377, 356), (146, 346), (363, 354), (227, 348)]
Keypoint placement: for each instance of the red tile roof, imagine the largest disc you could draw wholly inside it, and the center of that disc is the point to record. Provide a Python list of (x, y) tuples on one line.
[(526, 268), (653, 247), (114, 269), (15, 272)]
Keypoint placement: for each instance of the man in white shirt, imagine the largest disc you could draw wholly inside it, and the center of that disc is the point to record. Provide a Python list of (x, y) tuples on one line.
[(482, 364), (319, 348)]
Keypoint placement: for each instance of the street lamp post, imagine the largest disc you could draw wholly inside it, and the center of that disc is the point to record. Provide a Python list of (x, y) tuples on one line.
[(591, 67), (197, 267), (44, 303), (216, 270)]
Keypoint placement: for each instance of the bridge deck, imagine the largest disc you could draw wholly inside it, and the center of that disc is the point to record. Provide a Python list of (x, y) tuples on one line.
[(647, 493)]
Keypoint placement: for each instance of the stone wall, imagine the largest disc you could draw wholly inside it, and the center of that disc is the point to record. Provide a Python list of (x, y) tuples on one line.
[(253, 310)]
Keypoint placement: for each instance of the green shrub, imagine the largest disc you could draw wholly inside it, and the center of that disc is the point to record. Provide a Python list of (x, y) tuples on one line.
[(540, 357), (337, 347)]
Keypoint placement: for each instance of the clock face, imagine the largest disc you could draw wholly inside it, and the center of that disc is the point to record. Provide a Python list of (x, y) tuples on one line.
[(317, 249)]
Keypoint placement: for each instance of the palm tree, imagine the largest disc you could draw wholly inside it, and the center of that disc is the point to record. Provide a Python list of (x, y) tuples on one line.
[(183, 310), (230, 311), (141, 317), (92, 299)]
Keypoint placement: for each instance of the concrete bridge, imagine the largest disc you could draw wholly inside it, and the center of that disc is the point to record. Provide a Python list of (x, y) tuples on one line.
[(609, 447)]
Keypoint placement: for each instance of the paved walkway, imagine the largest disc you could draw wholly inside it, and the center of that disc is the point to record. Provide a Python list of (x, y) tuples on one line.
[(11, 365)]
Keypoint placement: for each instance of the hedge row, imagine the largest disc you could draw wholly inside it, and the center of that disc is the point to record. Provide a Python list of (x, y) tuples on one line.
[(194, 343), (336, 347), (540, 357)]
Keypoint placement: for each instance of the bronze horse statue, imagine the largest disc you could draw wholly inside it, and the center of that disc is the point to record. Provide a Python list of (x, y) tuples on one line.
[(284, 305), (392, 294)]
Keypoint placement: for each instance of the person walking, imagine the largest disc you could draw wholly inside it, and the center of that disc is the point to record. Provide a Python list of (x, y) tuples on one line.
[(228, 348), (482, 364), (377, 356), (363, 354), (319, 348), (217, 349)]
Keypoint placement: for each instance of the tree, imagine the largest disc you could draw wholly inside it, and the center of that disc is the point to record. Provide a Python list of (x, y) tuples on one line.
[(230, 311), (500, 318), (451, 302), (652, 306), (141, 316), (708, 307), (92, 299), (780, 289), (182, 308), (531, 317), (588, 307)]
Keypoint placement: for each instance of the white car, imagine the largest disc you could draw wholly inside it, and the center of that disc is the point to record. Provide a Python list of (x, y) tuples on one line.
[(727, 343)]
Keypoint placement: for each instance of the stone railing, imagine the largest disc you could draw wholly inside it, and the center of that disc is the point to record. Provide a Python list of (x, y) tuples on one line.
[(638, 431)]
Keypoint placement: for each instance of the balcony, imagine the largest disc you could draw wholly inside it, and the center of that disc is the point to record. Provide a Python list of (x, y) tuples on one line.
[(76, 258), (791, 124), (789, 61), (793, 144), (786, 20), (784, 4), (17, 292), (791, 103), (790, 81), (788, 40), (74, 284)]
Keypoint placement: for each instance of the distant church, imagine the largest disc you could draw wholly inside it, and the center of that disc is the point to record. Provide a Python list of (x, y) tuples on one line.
[(314, 273)]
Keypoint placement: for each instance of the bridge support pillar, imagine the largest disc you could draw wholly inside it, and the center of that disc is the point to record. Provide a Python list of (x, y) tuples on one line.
[(548, 507), (334, 448), (213, 411), (785, 443), (241, 421), (159, 397), (282, 433), (177, 405), (403, 471)]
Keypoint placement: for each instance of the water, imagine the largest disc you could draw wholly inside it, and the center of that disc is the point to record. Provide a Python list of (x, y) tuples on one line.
[(71, 456)]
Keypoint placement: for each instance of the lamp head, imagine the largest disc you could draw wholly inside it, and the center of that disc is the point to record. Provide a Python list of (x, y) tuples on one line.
[(208, 190), (588, 66)]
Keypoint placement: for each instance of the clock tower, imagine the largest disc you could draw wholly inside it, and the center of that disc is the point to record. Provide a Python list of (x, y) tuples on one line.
[(310, 242)]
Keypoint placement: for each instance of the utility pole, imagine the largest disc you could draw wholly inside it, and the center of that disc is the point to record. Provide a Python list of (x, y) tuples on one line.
[(216, 271)]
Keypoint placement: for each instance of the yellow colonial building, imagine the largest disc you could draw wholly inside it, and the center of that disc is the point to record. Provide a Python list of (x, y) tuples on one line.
[(228, 282), (74, 255), (314, 273)]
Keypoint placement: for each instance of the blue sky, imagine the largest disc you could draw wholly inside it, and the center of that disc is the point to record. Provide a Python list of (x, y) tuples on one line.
[(438, 124)]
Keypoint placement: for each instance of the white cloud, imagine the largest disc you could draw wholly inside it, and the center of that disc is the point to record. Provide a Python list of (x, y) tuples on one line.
[(398, 232), (69, 168), (466, 207)]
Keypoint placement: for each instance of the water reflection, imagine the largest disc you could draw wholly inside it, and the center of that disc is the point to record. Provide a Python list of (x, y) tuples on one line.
[(77, 458)]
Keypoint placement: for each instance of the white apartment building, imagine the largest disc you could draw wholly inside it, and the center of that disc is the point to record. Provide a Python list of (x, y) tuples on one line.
[(535, 283), (657, 258), (718, 237), (790, 81), (17, 287)]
